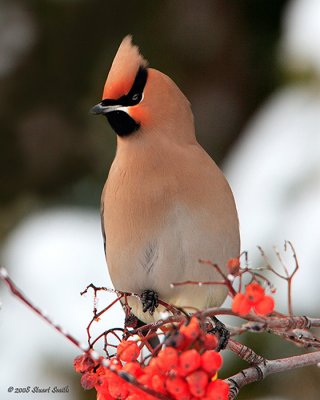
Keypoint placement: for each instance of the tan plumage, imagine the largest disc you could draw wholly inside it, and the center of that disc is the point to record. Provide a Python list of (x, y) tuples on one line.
[(165, 203)]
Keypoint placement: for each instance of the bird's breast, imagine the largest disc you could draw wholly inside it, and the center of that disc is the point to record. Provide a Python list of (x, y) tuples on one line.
[(158, 225), (157, 255)]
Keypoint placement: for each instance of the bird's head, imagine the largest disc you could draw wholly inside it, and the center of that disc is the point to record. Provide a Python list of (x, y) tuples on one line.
[(141, 99)]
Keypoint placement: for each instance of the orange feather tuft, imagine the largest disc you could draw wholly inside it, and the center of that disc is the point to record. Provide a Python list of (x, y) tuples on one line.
[(123, 70)]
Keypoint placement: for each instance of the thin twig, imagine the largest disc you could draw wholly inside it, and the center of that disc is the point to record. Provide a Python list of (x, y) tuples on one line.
[(19, 294)]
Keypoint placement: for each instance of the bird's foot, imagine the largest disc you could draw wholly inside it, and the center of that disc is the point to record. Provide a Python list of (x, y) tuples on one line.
[(222, 331), (149, 300)]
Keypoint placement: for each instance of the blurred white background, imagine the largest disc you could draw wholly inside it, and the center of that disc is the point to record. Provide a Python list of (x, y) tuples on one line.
[(53, 256), (274, 169)]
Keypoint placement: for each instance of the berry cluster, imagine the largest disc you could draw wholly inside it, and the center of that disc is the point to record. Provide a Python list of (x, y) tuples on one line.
[(186, 369), (253, 298)]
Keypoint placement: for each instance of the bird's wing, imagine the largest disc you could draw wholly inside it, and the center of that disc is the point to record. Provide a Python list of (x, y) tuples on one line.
[(102, 226)]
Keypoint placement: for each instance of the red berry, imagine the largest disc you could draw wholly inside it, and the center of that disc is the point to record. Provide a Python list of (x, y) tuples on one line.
[(145, 380), (233, 265), (185, 396), (89, 380), (265, 306), (83, 363), (211, 362), (158, 383), (189, 361), (102, 385), (178, 340), (167, 359), (153, 367), (254, 292), (133, 396), (128, 350), (118, 388), (218, 390), (104, 396), (210, 341), (133, 368), (177, 386), (192, 330), (240, 304), (101, 370), (197, 381)]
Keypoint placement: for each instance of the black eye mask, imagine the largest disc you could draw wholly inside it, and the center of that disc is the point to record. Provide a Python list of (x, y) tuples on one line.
[(135, 95), (121, 122)]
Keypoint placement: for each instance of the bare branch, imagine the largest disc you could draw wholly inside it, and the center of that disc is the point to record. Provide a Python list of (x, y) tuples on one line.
[(245, 352), (262, 370)]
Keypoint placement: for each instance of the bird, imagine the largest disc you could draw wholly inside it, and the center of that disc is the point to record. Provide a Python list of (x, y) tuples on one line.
[(165, 203)]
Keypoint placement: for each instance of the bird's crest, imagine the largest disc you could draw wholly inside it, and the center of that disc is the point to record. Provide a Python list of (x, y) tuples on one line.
[(123, 70)]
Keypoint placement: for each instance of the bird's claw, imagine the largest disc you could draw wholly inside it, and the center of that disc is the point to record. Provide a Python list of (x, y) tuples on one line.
[(223, 333), (149, 300)]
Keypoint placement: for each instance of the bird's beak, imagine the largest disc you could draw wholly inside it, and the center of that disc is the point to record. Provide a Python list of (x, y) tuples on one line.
[(97, 109), (101, 109)]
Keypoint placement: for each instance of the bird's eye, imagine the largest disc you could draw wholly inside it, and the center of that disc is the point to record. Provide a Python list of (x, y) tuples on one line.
[(135, 97)]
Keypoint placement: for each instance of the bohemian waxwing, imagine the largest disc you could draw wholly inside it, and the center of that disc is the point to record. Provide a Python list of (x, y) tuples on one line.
[(165, 204)]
